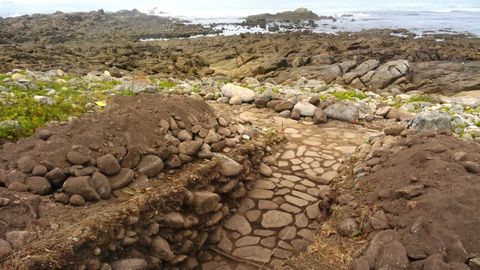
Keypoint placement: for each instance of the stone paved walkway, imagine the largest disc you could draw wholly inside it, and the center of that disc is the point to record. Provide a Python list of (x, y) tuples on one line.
[(278, 216)]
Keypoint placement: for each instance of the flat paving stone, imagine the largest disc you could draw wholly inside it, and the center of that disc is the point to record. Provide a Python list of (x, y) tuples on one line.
[(267, 205), (282, 163), (290, 131), (314, 192), (247, 241), (276, 219), (303, 196), (313, 211), (282, 191), (292, 178), (297, 168), (316, 164), (239, 224), (301, 150), (329, 176), (311, 154), (225, 244), (269, 242), (300, 187), (296, 201), (285, 245), (328, 163), (264, 184), (308, 183), (253, 253), (312, 142), (263, 233), (245, 205), (290, 208), (286, 183), (307, 234), (258, 193), (308, 160), (296, 161), (253, 215), (301, 220), (287, 233), (288, 155)]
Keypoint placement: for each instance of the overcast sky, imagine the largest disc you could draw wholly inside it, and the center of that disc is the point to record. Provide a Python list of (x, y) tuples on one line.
[(218, 7)]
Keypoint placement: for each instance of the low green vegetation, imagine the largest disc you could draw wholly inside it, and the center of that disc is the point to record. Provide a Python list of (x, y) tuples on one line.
[(23, 110), (166, 84), (349, 95), (420, 98)]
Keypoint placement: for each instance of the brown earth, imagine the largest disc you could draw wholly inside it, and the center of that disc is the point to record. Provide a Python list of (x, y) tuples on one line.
[(127, 122), (186, 199), (421, 186)]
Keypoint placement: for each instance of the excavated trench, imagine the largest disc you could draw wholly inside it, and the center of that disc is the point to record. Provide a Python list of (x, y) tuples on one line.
[(251, 207), (168, 227)]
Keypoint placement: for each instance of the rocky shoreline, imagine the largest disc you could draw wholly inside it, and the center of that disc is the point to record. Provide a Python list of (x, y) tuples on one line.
[(288, 151), (372, 60)]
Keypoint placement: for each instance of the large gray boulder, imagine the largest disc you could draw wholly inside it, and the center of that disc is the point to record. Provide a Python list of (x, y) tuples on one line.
[(433, 120), (305, 108), (361, 70), (388, 73), (342, 112), (231, 90)]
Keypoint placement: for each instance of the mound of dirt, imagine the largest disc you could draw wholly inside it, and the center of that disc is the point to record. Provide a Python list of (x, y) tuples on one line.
[(419, 199), (138, 185), (143, 133), (402, 202)]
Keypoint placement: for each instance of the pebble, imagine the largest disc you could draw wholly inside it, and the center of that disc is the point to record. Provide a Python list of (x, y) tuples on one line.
[(77, 200), (77, 158), (471, 167)]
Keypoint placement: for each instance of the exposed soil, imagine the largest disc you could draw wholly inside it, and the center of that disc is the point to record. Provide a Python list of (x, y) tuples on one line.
[(158, 169), (126, 123), (422, 188)]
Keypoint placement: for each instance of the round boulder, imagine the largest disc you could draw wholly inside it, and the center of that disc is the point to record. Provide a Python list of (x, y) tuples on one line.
[(150, 166)]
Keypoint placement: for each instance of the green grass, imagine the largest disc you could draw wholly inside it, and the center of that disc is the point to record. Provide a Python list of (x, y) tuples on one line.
[(323, 97), (3, 77), (195, 88), (166, 84), (471, 110), (71, 99), (349, 95)]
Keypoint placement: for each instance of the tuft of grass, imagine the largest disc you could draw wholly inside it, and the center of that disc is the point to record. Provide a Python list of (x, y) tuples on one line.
[(196, 88), (323, 97), (349, 95), (166, 84), (420, 98), (261, 89)]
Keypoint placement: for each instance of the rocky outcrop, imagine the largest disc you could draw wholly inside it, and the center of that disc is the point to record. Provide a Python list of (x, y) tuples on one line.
[(300, 14)]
